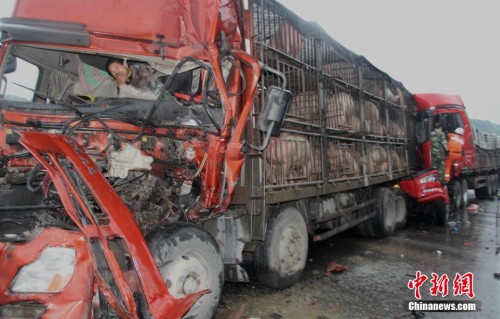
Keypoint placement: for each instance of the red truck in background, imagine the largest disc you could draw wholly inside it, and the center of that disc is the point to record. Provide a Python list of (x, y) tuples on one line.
[(478, 168), (267, 134)]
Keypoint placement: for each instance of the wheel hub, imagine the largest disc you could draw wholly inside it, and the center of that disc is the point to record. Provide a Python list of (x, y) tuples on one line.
[(290, 249), (188, 274), (190, 284)]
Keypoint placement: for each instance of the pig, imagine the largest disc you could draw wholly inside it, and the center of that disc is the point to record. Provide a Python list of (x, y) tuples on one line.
[(341, 70), (373, 121), (288, 158), (393, 95), (377, 160), (398, 130), (305, 107), (344, 161), (373, 86), (342, 112), (396, 161), (287, 40)]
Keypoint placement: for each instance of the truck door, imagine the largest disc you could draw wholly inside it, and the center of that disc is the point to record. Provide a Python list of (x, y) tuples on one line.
[(423, 130), (469, 157), (450, 122)]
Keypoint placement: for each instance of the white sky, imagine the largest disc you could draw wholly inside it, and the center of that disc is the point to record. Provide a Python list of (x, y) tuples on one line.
[(443, 46), (6, 7)]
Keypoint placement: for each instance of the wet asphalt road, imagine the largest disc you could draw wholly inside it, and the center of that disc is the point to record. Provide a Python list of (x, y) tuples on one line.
[(378, 270)]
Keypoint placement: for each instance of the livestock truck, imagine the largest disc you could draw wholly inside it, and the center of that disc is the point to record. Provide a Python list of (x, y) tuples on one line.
[(266, 134)]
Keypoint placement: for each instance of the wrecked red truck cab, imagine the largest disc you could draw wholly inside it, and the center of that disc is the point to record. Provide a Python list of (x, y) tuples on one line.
[(109, 228), (126, 177)]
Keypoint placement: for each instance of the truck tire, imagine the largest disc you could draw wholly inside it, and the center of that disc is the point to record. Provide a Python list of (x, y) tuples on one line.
[(492, 187), (488, 190), (465, 193), (455, 192), (495, 185), (281, 258), (441, 213), (189, 260), (401, 210), (365, 229), (385, 221)]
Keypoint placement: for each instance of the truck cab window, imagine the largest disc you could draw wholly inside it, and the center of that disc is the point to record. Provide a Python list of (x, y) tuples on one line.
[(21, 83), (422, 130), (450, 121)]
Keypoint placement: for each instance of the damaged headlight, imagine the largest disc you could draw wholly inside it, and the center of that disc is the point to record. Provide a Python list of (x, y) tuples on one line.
[(51, 272), (429, 178), (24, 310)]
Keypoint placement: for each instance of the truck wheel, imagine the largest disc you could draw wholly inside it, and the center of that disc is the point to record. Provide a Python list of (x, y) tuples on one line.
[(441, 213), (486, 191), (465, 194), (281, 258), (385, 220), (401, 211), (365, 229), (495, 185), (455, 192), (189, 260), (491, 187)]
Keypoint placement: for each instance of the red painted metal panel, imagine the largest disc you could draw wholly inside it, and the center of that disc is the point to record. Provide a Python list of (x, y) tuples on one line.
[(75, 301), (141, 19), (121, 225), (425, 101), (424, 193), (187, 27)]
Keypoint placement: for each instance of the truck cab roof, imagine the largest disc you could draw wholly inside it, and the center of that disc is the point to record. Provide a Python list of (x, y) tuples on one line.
[(425, 101), (166, 27)]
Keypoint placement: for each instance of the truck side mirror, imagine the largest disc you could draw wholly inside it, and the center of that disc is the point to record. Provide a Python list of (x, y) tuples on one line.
[(11, 65), (274, 111), (3, 85)]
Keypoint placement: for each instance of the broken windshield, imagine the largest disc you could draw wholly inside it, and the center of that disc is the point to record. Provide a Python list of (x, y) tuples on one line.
[(53, 80)]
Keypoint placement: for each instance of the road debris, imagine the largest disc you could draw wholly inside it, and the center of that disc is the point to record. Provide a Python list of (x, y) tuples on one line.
[(334, 267), (473, 208)]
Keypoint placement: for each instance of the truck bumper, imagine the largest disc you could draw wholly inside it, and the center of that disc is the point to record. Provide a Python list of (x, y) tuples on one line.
[(424, 187)]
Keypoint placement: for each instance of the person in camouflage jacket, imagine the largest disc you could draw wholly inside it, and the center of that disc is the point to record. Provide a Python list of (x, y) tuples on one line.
[(439, 149)]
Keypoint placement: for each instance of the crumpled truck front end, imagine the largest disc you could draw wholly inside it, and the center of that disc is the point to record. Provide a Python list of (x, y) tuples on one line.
[(45, 273)]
